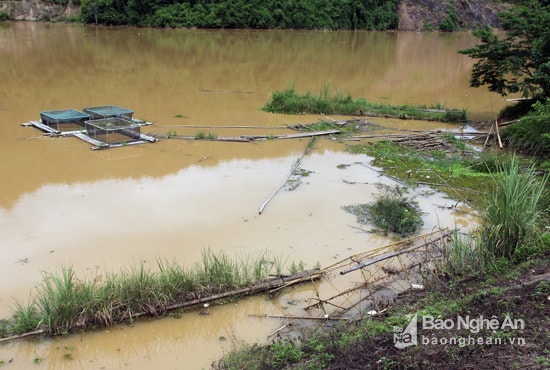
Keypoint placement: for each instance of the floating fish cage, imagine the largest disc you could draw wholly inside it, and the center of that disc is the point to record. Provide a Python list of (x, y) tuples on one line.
[(113, 130), (108, 111), (64, 119)]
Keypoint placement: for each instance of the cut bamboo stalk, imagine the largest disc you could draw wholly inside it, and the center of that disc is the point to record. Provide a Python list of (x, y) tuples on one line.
[(498, 135), (276, 331)]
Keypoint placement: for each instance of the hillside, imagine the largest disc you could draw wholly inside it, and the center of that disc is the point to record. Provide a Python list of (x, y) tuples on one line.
[(417, 15), (414, 15)]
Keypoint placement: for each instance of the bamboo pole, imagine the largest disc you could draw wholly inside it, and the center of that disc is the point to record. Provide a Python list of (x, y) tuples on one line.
[(324, 318), (276, 331), (243, 291), (395, 254), (296, 165), (20, 336)]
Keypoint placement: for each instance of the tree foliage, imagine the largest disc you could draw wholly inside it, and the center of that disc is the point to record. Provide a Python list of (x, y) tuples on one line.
[(251, 14), (519, 60)]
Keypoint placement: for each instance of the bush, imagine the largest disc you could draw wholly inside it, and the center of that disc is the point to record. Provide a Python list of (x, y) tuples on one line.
[(450, 23), (532, 134), (4, 16)]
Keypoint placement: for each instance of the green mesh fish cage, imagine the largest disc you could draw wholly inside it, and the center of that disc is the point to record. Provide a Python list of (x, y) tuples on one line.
[(108, 111), (114, 130), (64, 119)]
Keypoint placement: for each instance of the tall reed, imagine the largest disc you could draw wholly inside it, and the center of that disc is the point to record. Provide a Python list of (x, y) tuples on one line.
[(512, 214)]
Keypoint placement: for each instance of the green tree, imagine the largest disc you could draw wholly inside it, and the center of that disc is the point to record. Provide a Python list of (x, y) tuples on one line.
[(519, 60)]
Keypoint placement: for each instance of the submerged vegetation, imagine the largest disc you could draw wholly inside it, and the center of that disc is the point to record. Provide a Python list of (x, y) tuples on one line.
[(328, 102), (64, 302), (464, 176)]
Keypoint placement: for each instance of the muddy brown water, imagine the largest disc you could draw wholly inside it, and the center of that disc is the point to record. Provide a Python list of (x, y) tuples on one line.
[(62, 204)]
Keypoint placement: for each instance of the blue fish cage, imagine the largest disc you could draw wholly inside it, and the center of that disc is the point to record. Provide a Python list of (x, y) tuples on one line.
[(64, 119), (109, 111)]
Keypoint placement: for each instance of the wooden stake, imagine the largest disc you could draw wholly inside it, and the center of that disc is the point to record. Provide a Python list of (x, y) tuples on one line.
[(488, 136)]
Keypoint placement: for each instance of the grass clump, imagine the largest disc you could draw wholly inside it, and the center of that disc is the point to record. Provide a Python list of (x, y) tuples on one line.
[(201, 135), (327, 102), (464, 255), (391, 212), (512, 215), (64, 302)]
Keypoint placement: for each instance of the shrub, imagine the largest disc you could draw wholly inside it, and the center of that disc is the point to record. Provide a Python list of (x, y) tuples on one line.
[(532, 134), (4, 16)]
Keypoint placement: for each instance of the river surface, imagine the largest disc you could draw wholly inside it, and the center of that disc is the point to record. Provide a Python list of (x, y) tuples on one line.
[(62, 204)]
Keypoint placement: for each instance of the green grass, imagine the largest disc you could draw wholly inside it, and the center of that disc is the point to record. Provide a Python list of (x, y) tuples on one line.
[(201, 135), (64, 302), (465, 255), (328, 102), (462, 178)]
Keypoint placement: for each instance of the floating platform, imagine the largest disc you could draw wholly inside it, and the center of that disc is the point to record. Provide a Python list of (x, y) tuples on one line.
[(103, 127)]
